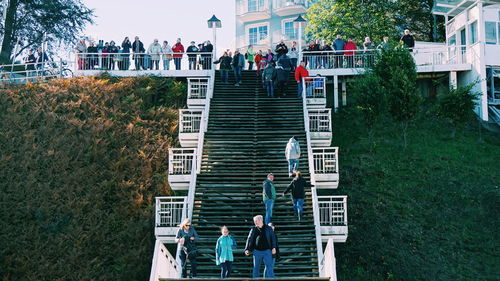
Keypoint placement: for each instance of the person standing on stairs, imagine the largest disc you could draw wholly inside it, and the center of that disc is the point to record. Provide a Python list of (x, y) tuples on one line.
[(224, 252), (225, 67), (268, 196), (283, 72), (250, 56), (186, 237), (297, 186), (292, 154), (276, 257), (268, 77), (300, 73), (261, 243), (238, 64)]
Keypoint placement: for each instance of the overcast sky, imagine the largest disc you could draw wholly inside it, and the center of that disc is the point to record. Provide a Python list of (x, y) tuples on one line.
[(162, 19)]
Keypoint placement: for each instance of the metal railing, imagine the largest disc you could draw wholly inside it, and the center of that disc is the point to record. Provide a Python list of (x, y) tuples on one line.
[(170, 210), (181, 161), (333, 210), (20, 73), (320, 120), (315, 86), (197, 88), (190, 120), (144, 61), (325, 160), (328, 264), (361, 59)]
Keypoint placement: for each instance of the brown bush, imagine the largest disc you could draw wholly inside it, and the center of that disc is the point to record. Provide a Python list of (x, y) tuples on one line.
[(80, 163)]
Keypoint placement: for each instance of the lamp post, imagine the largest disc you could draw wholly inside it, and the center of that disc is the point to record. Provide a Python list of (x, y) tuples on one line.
[(300, 23), (214, 23)]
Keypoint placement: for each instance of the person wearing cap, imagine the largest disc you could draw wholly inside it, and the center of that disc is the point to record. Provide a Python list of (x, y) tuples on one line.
[(268, 196), (292, 154), (192, 51)]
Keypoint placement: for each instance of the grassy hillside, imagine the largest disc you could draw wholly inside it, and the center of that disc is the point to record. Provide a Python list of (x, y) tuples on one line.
[(80, 163), (426, 213)]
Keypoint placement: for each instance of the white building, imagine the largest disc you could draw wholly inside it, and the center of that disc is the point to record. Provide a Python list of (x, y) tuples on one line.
[(473, 26)]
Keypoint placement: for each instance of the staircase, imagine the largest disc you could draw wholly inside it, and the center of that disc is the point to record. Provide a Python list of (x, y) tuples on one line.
[(246, 139)]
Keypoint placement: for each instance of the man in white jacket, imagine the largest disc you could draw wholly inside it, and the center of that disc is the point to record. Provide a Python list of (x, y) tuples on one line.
[(292, 154)]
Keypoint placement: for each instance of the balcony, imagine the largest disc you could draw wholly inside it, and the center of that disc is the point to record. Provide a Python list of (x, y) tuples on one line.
[(333, 217), (197, 92), (256, 12), (315, 91), (326, 168), (181, 165), (170, 212), (189, 127), (320, 127), (285, 8)]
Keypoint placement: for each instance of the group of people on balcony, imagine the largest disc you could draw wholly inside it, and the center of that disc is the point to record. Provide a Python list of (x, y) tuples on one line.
[(262, 241), (109, 56)]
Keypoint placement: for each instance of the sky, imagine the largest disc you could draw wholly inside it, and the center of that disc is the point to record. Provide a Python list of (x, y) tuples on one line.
[(162, 19)]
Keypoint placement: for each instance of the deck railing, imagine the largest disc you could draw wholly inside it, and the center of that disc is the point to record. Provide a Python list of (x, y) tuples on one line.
[(181, 160), (190, 120), (315, 87), (171, 210), (333, 210), (164, 265), (197, 88), (20, 73), (143, 61), (325, 160), (320, 120)]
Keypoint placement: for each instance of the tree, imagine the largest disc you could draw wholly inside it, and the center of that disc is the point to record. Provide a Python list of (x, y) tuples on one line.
[(370, 100), (356, 18), (457, 106), (397, 72), (31, 22), (374, 18)]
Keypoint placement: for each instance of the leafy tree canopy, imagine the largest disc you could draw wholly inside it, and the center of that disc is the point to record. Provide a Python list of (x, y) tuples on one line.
[(33, 22)]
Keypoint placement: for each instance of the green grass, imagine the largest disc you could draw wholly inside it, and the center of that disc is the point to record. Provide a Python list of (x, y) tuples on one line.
[(80, 163), (426, 213)]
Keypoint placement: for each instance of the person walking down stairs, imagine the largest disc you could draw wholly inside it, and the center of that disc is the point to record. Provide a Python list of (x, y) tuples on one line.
[(292, 154), (269, 195), (262, 244), (187, 237), (269, 76), (224, 252), (238, 64), (297, 186)]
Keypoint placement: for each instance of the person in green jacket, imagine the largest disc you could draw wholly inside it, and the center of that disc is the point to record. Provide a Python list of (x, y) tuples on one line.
[(268, 196), (224, 252), (250, 56)]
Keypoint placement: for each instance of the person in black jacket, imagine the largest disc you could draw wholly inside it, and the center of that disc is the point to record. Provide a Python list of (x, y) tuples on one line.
[(138, 49), (408, 40), (206, 57), (276, 257), (297, 186), (192, 51), (261, 243), (281, 49), (283, 71)]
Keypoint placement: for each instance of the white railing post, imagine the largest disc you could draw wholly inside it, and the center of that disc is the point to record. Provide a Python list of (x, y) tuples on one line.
[(317, 227)]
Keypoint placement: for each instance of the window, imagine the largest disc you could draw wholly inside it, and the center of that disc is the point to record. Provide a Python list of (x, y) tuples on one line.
[(288, 30), (473, 32), (491, 32), (255, 5), (452, 40), (256, 34)]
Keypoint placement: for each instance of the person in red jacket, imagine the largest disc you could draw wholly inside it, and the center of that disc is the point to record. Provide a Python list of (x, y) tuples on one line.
[(350, 46), (301, 72), (178, 48)]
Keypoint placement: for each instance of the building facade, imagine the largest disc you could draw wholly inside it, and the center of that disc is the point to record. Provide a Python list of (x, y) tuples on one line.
[(473, 35), (264, 23)]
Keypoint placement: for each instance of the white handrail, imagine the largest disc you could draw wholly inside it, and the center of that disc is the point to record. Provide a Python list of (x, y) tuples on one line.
[(204, 118), (164, 265), (328, 267), (317, 226)]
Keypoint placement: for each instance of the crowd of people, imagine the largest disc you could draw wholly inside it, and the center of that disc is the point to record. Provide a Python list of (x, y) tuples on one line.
[(262, 240), (110, 56), (35, 60)]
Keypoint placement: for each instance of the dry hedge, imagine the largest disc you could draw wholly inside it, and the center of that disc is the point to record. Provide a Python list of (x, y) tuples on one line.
[(80, 163)]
